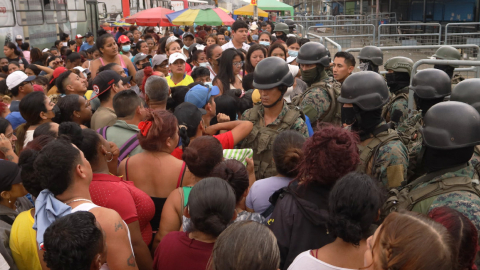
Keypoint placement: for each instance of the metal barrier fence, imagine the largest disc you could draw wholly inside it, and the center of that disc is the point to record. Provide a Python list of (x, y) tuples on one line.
[(417, 53), (332, 46), (314, 23), (307, 18), (474, 64), (462, 33), (409, 34), (351, 36), (350, 19), (382, 18)]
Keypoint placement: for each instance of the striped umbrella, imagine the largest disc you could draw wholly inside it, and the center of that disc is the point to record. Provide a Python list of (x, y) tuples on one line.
[(200, 15)]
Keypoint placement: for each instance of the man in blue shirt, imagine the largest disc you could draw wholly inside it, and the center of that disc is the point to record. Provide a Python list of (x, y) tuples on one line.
[(88, 42)]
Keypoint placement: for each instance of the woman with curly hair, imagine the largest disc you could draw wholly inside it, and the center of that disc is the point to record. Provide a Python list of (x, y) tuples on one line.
[(298, 220)]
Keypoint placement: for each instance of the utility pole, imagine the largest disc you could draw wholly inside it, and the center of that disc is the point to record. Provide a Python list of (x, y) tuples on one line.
[(255, 9), (216, 3)]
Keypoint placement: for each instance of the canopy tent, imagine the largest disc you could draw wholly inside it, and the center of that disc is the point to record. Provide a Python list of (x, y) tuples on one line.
[(248, 10), (274, 5)]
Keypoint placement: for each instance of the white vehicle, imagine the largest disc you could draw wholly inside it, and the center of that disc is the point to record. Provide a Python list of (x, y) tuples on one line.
[(40, 22)]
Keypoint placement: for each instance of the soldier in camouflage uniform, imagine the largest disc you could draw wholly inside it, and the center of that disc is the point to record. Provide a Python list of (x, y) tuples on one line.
[(382, 154), (319, 101), (430, 86), (468, 92), (272, 77), (449, 53), (398, 80), (450, 133), (371, 57)]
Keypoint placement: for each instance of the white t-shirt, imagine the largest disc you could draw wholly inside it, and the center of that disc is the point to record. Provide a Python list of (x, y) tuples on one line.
[(305, 261), (28, 137)]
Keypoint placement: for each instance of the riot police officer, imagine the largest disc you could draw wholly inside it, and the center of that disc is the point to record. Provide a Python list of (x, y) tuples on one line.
[(468, 92), (370, 58), (451, 131), (272, 77), (319, 101), (398, 80), (430, 86), (382, 154)]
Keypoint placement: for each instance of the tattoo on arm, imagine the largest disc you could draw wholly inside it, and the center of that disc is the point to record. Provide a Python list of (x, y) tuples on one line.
[(131, 261), (119, 226)]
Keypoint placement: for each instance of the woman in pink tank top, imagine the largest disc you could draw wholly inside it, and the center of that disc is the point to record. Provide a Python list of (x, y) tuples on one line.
[(108, 49)]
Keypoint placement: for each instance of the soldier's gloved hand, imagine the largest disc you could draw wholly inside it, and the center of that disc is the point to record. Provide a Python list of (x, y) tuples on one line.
[(222, 118)]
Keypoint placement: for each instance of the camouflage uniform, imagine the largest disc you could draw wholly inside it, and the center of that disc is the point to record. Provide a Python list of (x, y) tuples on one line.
[(465, 202), (456, 79), (315, 102), (389, 161), (299, 125), (409, 132), (398, 105), (475, 160)]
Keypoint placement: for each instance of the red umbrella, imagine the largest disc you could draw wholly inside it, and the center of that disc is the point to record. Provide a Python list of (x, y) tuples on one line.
[(151, 17)]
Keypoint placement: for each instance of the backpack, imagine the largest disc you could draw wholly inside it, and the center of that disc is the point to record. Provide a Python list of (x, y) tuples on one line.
[(370, 150), (260, 139), (387, 108), (407, 196), (126, 148)]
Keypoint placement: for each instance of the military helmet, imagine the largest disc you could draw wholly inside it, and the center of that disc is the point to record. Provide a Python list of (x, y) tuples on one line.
[(272, 72), (289, 22), (366, 89), (281, 27), (314, 53), (468, 92), (371, 53), (451, 125), (447, 53), (431, 84), (399, 64)]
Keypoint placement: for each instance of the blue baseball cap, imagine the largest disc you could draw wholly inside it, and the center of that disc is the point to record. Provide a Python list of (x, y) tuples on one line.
[(199, 95)]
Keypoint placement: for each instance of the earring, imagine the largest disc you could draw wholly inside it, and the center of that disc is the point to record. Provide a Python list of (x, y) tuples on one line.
[(9, 201), (111, 158)]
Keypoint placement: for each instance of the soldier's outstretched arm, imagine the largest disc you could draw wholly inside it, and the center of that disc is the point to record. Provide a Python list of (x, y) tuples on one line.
[(315, 104)]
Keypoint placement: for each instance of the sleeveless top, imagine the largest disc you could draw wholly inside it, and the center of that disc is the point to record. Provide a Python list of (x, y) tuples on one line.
[(89, 206), (231, 85), (159, 202), (121, 61)]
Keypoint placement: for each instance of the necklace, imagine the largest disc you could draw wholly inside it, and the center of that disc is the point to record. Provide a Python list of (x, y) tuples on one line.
[(78, 200)]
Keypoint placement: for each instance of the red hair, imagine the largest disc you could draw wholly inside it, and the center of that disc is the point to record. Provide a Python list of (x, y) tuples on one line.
[(328, 155), (164, 125), (463, 231)]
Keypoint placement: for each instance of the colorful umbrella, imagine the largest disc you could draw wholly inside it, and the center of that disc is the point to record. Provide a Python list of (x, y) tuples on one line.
[(200, 15), (248, 10), (151, 17), (226, 10)]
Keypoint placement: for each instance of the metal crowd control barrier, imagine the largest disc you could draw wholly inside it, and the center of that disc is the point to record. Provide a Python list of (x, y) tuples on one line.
[(437, 62), (314, 23), (306, 18), (390, 17), (409, 34), (350, 19), (358, 35), (338, 47), (462, 36), (417, 53)]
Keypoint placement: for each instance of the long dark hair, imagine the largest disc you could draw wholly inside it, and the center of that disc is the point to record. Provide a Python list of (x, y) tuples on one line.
[(35, 55), (225, 73), (256, 47), (11, 45)]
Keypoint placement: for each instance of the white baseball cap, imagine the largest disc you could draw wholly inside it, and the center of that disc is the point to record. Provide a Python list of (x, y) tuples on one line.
[(45, 50), (19, 37), (254, 27), (175, 56), (18, 77)]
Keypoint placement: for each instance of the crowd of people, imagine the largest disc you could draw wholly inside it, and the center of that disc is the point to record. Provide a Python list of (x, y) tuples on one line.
[(241, 147)]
